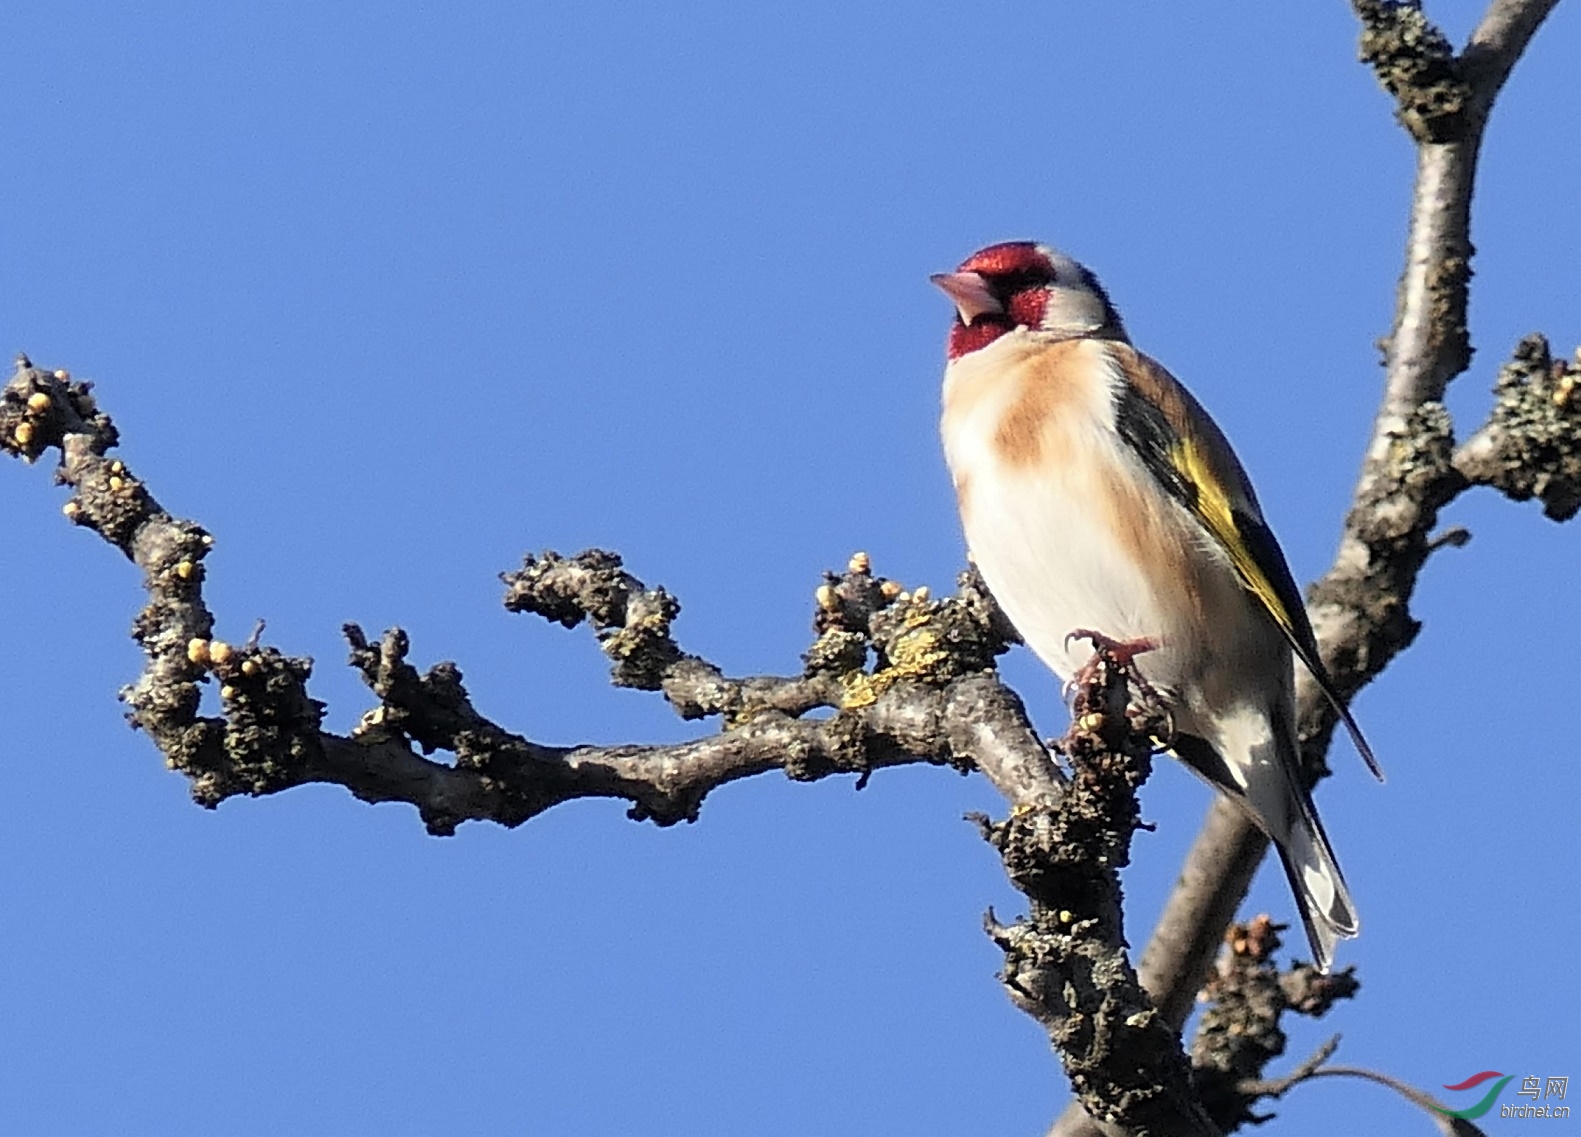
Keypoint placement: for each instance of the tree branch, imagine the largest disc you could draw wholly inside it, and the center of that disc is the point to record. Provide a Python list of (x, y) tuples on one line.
[(1448, 1126), (931, 695), (1530, 446), (1497, 44), (1316, 1067), (1066, 962), (1242, 1031), (1360, 608), (909, 679)]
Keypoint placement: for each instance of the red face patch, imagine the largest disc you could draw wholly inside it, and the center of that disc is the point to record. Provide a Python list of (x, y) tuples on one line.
[(981, 332), (1019, 275), (1007, 259)]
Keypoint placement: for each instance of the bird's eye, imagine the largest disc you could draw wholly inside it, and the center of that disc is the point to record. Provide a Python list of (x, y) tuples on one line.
[(1021, 280)]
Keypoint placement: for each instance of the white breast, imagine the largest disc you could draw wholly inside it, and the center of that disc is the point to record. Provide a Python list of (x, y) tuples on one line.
[(1044, 533)]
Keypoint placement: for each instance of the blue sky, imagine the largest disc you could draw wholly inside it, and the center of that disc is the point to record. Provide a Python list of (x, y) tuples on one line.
[(385, 297)]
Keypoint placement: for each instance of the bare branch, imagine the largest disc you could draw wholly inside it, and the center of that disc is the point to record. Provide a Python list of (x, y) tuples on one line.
[(1066, 963), (1449, 1126), (1360, 608), (1278, 1087), (1242, 1031), (1497, 45), (931, 696), (1531, 444)]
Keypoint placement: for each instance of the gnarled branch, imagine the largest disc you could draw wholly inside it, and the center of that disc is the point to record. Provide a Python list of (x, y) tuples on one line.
[(930, 695), (1411, 470), (907, 677), (1066, 963), (1360, 608)]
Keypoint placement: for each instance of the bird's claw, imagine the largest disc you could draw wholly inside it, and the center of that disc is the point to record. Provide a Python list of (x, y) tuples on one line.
[(1122, 653)]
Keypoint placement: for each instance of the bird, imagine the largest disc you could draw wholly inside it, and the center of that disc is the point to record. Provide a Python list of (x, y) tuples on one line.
[(1099, 500)]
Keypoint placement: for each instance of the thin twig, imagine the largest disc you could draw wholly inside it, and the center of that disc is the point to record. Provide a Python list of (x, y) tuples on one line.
[(1449, 1126), (1278, 1087), (1314, 1067)]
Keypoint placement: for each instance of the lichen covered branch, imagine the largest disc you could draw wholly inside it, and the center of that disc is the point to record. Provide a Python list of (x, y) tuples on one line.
[(1360, 608), (1066, 962), (1530, 446), (1443, 99), (1241, 1031), (908, 677)]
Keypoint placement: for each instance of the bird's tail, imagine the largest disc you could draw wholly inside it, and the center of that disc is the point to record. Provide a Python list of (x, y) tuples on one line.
[(1315, 880), (1265, 784)]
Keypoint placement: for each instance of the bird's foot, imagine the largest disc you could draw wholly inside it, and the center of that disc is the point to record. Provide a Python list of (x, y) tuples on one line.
[(1122, 653)]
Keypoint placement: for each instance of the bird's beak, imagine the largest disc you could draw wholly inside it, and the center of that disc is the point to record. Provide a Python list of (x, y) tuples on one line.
[(970, 291)]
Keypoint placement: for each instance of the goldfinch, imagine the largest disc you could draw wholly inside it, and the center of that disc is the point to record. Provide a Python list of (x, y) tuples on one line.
[(1098, 496)]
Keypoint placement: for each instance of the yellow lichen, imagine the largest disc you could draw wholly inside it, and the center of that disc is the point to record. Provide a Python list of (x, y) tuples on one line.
[(916, 651), (38, 401), (860, 689), (860, 563), (914, 654)]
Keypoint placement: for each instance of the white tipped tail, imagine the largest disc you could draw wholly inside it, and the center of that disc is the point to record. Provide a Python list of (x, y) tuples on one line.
[(1319, 889)]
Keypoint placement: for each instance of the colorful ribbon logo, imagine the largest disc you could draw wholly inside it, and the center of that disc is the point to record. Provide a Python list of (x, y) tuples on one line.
[(1486, 1103)]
